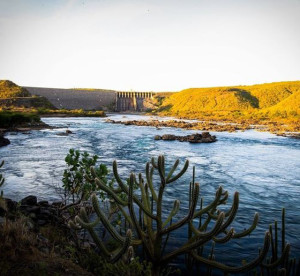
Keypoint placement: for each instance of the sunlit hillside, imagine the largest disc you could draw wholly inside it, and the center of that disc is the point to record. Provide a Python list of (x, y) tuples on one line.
[(270, 98), (8, 89), (14, 96)]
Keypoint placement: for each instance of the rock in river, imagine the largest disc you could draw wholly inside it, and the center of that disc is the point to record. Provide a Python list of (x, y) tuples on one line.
[(205, 137)]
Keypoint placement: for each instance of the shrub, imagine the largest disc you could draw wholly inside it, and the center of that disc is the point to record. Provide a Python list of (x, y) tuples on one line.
[(78, 179), (13, 119)]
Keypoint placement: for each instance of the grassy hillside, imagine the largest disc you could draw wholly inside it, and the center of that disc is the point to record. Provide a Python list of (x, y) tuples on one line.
[(13, 96), (8, 89), (280, 99)]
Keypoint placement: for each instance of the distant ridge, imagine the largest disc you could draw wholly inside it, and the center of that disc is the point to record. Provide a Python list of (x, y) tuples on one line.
[(9, 89), (15, 96), (278, 97)]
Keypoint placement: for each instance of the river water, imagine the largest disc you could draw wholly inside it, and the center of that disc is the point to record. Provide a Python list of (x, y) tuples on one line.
[(263, 167)]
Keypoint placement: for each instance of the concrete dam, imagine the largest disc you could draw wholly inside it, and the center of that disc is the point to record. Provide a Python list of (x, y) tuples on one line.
[(93, 99)]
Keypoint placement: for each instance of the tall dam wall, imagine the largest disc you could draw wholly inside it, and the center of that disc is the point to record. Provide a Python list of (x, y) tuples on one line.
[(93, 99), (77, 98)]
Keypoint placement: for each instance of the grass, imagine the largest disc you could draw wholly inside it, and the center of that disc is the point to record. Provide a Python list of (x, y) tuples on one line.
[(72, 112), (12, 119)]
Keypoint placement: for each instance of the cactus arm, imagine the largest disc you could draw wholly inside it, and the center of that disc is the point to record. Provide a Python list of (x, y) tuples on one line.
[(226, 238), (173, 212), (138, 229), (125, 189), (109, 191), (153, 163), (173, 169), (146, 201), (73, 225), (189, 215), (234, 208), (94, 236), (195, 241), (143, 192), (224, 199), (117, 255), (83, 216), (239, 269), (283, 230), (249, 230), (185, 167), (161, 169), (279, 261), (126, 216), (213, 204), (148, 219), (86, 225), (149, 176), (213, 232), (105, 221)]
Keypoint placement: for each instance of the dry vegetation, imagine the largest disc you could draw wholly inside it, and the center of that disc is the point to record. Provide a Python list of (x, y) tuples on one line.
[(8, 89), (274, 104)]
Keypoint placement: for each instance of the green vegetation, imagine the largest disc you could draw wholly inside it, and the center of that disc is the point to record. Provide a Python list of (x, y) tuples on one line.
[(152, 227), (264, 102), (13, 119), (8, 89), (15, 97), (19, 106), (77, 178), (72, 112)]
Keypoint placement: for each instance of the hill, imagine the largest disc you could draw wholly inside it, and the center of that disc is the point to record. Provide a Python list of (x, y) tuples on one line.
[(13, 96), (275, 99), (8, 89)]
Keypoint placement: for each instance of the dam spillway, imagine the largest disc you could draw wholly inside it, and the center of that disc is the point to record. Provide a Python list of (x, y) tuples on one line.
[(132, 101)]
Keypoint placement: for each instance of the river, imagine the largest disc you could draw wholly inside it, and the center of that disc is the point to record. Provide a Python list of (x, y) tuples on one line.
[(263, 167)]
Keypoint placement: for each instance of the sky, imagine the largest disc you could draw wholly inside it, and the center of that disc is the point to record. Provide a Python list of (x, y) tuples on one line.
[(158, 45)]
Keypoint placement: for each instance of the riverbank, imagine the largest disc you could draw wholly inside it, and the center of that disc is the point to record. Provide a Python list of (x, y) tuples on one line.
[(206, 126), (35, 239), (19, 122)]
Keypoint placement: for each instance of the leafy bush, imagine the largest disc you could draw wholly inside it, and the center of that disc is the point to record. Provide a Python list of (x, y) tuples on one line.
[(78, 179)]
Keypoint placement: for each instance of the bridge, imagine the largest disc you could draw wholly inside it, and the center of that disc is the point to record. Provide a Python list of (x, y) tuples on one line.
[(131, 101)]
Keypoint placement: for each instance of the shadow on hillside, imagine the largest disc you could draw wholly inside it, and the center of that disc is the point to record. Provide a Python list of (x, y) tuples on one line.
[(245, 95)]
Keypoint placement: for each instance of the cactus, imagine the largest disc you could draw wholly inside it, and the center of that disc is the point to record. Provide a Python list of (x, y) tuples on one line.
[(152, 227), (82, 221), (2, 179)]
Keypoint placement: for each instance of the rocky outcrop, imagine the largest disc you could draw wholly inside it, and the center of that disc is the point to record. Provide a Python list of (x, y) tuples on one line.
[(3, 141), (290, 135), (205, 137), (204, 126), (40, 212)]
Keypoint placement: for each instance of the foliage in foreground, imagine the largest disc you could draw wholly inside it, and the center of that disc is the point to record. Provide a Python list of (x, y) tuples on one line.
[(76, 183), (152, 227)]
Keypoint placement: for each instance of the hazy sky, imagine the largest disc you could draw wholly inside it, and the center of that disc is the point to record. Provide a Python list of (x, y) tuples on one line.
[(156, 45)]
